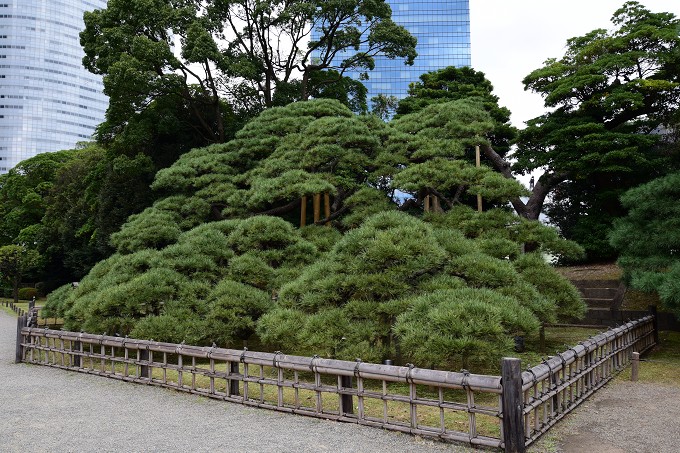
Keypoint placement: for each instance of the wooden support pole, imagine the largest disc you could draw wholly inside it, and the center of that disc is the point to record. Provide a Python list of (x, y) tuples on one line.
[(317, 207), (21, 322), (436, 207), (346, 403), (513, 405), (427, 203), (478, 161), (635, 371), (327, 206), (655, 322), (303, 212)]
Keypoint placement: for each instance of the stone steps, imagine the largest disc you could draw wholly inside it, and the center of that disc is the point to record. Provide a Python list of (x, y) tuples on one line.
[(603, 298)]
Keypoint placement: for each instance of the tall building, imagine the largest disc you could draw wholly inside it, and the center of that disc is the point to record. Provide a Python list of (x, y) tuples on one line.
[(48, 100), (442, 28)]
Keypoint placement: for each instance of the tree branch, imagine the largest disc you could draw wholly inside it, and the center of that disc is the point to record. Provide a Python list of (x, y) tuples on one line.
[(280, 209)]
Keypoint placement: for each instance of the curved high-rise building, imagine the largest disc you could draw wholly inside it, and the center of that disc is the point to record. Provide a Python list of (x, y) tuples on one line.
[(442, 28), (48, 100)]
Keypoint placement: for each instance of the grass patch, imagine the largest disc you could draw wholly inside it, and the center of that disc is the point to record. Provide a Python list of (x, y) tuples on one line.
[(54, 323), (557, 339), (638, 300), (662, 364)]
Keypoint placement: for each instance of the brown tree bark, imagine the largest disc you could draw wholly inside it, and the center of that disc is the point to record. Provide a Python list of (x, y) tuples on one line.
[(545, 184)]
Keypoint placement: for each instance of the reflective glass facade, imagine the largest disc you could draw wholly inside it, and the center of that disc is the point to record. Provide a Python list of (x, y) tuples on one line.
[(48, 100), (443, 31)]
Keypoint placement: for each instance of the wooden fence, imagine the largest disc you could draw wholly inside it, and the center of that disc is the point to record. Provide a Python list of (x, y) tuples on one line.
[(509, 411), (15, 308)]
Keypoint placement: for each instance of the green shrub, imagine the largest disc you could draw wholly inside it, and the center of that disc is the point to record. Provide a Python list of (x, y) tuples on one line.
[(450, 329), (56, 303), (27, 293)]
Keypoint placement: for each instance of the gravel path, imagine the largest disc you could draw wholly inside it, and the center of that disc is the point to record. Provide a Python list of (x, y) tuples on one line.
[(622, 417), (48, 410)]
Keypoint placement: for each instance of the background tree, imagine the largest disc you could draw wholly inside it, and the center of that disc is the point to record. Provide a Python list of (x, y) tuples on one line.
[(611, 93), (23, 193), (232, 51), (149, 49), (15, 262), (648, 239), (271, 40), (384, 106)]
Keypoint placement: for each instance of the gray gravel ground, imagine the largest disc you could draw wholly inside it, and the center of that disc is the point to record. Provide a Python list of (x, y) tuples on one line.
[(49, 410), (622, 417)]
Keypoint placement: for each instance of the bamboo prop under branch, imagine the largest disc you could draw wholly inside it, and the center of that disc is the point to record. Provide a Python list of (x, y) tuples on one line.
[(303, 211), (436, 207), (317, 207), (427, 203), (478, 161), (327, 206)]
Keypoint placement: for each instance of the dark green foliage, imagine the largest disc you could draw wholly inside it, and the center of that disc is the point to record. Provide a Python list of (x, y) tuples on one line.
[(453, 83), (610, 94), (169, 61), (214, 282), (219, 255), (91, 196), (55, 305), (15, 262), (389, 265), (551, 285), (24, 191), (456, 328), (27, 293), (648, 239)]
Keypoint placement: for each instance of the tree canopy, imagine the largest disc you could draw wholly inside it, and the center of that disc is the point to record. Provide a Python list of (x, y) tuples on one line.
[(23, 193), (220, 254), (15, 262), (452, 83), (648, 239), (219, 57), (610, 95)]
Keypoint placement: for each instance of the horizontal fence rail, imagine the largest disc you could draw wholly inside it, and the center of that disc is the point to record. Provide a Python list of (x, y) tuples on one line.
[(471, 408), (555, 387), (448, 405)]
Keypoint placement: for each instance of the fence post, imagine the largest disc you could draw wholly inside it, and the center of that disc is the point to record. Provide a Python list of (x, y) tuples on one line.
[(635, 369), (21, 322), (144, 369), (513, 416), (655, 322), (346, 403), (75, 358), (233, 383)]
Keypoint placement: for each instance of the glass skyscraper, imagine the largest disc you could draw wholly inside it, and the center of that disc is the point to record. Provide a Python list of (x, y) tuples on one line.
[(48, 100), (442, 28)]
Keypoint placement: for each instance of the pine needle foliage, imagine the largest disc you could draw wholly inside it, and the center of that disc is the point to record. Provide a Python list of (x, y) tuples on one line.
[(221, 255), (648, 239)]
